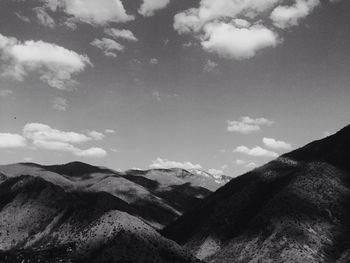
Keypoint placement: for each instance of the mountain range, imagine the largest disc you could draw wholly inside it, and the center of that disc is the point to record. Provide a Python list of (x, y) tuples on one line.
[(295, 208)]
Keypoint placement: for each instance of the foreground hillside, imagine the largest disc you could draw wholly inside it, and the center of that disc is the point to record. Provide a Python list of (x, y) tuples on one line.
[(41, 221), (293, 209)]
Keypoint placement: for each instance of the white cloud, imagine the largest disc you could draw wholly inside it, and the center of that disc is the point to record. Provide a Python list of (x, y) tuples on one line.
[(160, 163), (210, 66), (240, 162), (5, 92), (288, 16), (247, 164), (44, 137), (222, 26), (110, 131), (121, 33), (44, 18), (215, 172), (60, 104), (108, 46), (10, 140), (98, 136), (231, 41), (251, 165), (148, 7), (153, 61), (247, 125), (100, 13), (56, 65), (257, 151), (43, 132), (277, 145)]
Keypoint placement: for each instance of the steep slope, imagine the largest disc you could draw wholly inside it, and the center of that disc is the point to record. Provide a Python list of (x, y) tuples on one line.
[(40, 219), (293, 209)]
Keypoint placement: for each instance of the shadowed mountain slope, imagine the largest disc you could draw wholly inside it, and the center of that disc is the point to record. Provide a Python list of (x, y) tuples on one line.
[(41, 221), (293, 209)]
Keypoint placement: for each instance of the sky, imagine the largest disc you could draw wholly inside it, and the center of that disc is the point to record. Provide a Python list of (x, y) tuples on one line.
[(219, 85)]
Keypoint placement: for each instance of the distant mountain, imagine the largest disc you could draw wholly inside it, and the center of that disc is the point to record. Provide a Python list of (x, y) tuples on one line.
[(293, 209), (42, 222), (181, 188)]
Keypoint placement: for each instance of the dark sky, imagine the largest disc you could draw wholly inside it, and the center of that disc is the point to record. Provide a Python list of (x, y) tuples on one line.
[(171, 98)]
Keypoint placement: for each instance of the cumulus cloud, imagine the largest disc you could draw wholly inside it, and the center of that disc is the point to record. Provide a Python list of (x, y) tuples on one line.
[(160, 163), (98, 13), (230, 41), (11, 140), (248, 125), (257, 151), (60, 104), (108, 46), (277, 145), (210, 66), (121, 33), (56, 65), (222, 26), (42, 136), (288, 16), (148, 7)]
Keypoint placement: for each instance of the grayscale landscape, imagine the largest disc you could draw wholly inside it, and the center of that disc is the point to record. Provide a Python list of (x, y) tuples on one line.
[(174, 131)]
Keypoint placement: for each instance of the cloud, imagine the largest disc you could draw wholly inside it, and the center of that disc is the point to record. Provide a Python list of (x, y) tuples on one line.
[(277, 145), (10, 140), (44, 18), (247, 125), (148, 7), (288, 16), (222, 26), (97, 13), (98, 136), (110, 131), (154, 61), (121, 33), (56, 65), (210, 66), (108, 46), (247, 164), (156, 94), (43, 132), (231, 41), (160, 163), (43, 136), (60, 104), (257, 151), (5, 92), (215, 172)]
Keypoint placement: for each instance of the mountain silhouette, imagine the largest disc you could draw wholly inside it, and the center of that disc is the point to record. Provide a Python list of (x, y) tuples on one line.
[(293, 209)]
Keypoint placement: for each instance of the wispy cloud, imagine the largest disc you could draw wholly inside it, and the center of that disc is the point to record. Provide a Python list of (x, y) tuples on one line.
[(247, 125), (60, 104), (160, 163), (257, 151), (108, 46)]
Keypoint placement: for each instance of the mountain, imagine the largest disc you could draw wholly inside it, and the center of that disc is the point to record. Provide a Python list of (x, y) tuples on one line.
[(293, 209), (158, 197), (42, 222), (181, 188)]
